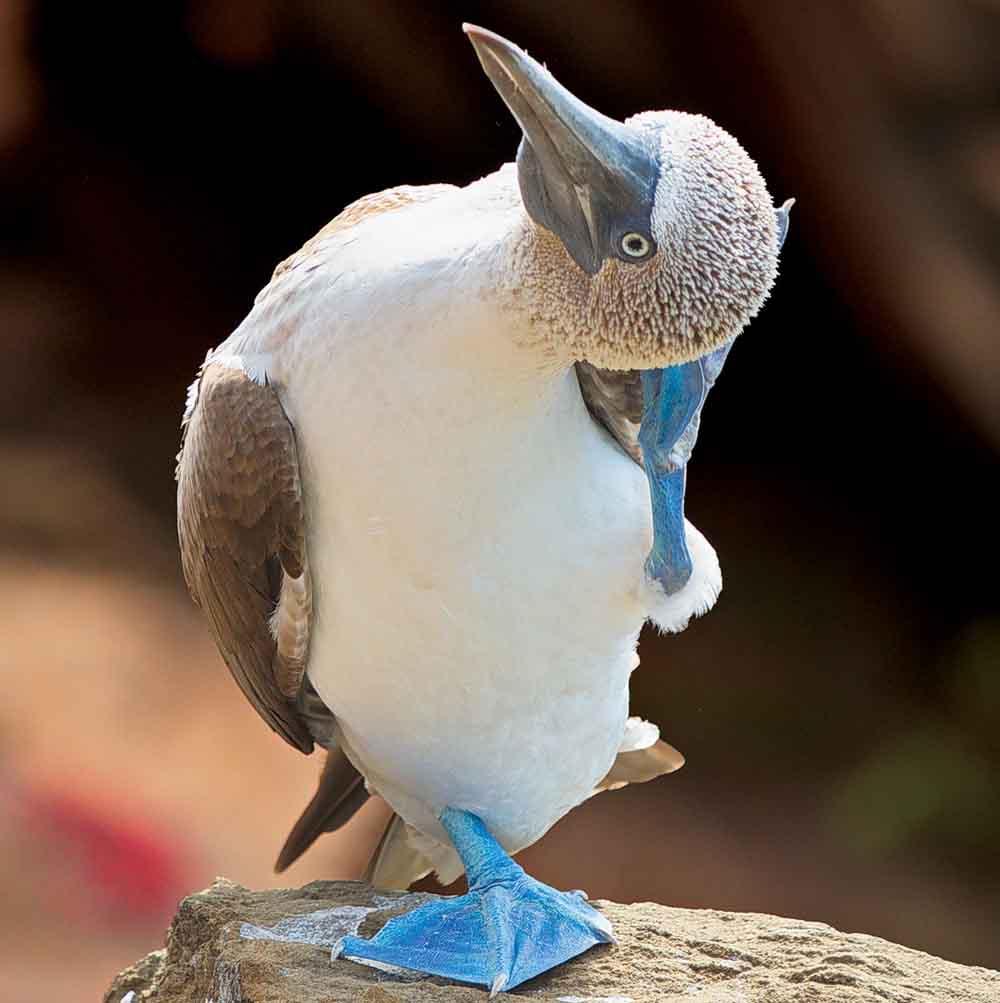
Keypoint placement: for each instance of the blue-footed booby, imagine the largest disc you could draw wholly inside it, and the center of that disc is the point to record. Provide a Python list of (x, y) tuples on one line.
[(432, 487)]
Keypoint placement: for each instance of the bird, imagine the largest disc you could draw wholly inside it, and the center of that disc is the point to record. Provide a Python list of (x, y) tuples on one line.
[(432, 487)]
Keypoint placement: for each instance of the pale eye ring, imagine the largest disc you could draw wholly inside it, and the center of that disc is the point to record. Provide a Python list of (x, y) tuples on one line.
[(635, 245)]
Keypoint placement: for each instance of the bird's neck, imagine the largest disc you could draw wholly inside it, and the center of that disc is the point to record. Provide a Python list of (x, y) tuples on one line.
[(616, 319), (538, 279)]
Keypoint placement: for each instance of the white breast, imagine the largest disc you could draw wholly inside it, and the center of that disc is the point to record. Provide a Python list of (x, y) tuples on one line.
[(476, 541)]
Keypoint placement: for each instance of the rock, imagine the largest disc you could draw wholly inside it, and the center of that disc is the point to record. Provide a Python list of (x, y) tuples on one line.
[(231, 945)]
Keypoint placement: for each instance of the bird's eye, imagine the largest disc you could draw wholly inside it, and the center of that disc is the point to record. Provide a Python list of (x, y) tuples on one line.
[(635, 245)]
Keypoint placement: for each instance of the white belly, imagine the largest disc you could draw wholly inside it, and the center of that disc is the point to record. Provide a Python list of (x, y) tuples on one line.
[(477, 600), (476, 543)]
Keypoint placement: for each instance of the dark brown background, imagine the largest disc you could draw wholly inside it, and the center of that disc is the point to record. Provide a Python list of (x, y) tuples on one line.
[(840, 709)]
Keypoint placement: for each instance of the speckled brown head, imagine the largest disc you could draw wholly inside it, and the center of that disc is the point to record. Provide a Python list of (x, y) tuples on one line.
[(654, 240)]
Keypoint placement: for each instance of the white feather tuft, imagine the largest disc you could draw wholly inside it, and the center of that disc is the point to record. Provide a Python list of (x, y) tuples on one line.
[(639, 734), (672, 613), (254, 364)]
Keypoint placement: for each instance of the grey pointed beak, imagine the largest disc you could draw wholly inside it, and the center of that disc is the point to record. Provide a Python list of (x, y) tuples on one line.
[(586, 177)]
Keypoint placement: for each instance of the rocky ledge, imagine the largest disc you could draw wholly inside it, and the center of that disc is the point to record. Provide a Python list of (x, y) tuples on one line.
[(230, 945)]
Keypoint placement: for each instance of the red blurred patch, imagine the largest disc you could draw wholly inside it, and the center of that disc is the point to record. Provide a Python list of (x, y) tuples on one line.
[(105, 867)]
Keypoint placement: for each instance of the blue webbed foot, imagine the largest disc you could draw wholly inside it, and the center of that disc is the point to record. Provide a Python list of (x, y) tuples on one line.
[(508, 928)]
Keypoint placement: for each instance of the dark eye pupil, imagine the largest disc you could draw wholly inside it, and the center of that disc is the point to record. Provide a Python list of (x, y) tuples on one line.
[(635, 245)]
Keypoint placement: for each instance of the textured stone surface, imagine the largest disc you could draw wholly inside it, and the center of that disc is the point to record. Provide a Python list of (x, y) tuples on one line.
[(231, 945)]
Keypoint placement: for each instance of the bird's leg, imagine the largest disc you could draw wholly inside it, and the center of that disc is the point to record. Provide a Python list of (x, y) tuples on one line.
[(672, 403), (508, 928)]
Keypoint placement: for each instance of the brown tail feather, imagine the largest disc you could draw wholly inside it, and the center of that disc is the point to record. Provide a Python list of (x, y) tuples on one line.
[(641, 765), (341, 792), (394, 864)]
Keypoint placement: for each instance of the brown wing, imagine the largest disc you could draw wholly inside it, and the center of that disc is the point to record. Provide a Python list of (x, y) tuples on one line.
[(239, 520), (243, 550), (614, 399)]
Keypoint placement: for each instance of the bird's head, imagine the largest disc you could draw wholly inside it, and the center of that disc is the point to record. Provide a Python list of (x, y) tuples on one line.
[(655, 239)]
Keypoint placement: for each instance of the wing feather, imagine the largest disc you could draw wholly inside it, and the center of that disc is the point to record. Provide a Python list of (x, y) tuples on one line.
[(240, 525), (614, 400)]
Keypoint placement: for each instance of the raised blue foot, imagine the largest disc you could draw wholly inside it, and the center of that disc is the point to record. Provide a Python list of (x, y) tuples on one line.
[(507, 929), (672, 401)]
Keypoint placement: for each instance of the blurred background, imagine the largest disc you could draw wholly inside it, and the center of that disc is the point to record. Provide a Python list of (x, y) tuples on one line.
[(839, 709)]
